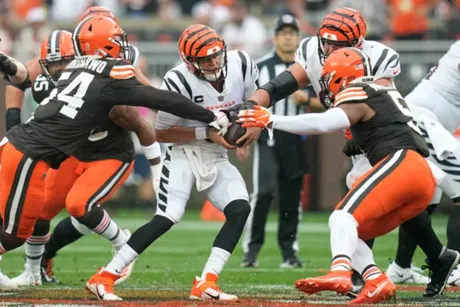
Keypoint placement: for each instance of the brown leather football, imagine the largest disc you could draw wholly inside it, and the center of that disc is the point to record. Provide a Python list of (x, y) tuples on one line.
[(235, 131)]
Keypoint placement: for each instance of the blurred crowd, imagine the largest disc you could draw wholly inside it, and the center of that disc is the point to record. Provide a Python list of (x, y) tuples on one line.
[(242, 23)]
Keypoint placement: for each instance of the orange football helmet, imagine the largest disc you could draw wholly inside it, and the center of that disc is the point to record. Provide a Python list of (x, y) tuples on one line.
[(55, 53), (204, 52), (342, 67), (97, 11), (344, 27), (100, 35)]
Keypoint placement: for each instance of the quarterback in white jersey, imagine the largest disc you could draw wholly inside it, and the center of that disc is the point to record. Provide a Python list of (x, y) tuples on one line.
[(216, 80)]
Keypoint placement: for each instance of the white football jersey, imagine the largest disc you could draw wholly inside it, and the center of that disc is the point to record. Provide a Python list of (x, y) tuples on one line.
[(384, 60), (444, 78), (239, 84)]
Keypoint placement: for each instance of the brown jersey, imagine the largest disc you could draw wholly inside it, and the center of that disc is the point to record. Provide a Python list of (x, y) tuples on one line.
[(390, 129), (86, 92)]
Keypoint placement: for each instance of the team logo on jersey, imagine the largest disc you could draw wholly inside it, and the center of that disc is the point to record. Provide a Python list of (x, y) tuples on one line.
[(220, 98)]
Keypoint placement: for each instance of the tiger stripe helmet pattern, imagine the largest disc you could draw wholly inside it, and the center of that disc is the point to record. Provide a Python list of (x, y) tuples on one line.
[(344, 26), (97, 11), (56, 50), (342, 67), (199, 43)]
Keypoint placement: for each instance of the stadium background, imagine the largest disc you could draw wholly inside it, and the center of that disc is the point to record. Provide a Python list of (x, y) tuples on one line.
[(154, 26)]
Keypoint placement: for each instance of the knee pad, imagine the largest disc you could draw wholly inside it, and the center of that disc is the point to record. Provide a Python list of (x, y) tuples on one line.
[(41, 228), (239, 207), (79, 226), (339, 216)]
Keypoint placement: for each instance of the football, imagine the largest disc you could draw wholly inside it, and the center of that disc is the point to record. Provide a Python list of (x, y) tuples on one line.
[(235, 131)]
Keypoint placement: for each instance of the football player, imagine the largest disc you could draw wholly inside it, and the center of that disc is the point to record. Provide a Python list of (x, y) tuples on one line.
[(98, 79), (344, 27), (384, 197), (106, 143), (435, 104), (216, 80)]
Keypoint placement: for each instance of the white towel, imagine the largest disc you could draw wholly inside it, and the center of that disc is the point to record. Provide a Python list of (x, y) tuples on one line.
[(205, 171)]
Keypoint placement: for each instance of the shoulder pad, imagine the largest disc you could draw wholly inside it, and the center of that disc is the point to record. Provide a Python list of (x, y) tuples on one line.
[(350, 94)]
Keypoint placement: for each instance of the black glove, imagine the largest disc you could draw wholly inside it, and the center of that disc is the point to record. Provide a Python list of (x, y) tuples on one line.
[(351, 149), (7, 66), (13, 117)]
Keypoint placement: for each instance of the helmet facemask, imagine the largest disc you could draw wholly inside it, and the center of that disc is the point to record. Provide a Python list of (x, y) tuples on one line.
[(53, 65)]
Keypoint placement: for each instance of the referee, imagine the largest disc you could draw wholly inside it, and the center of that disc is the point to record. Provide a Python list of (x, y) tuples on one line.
[(278, 163)]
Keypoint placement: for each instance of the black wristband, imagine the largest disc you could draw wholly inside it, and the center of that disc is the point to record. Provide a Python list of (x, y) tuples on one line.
[(13, 117), (281, 86)]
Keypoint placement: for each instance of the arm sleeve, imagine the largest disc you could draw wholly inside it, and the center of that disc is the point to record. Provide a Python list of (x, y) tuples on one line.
[(389, 67), (132, 92), (313, 123)]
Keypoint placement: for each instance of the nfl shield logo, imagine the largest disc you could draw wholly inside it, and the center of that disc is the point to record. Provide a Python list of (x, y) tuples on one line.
[(220, 98)]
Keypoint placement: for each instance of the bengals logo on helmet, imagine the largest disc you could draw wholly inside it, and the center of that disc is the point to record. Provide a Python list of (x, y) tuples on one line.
[(204, 52), (340, 68), (55, 53)]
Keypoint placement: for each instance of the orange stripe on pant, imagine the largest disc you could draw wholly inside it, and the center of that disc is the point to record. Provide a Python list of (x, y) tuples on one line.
[(96, 183), (22, 181), (395, 190)]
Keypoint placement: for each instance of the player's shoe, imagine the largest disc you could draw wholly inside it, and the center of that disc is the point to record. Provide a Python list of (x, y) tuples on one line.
[(30, 277), (207, 289), (126, 272), (338, 281), (376, 290), (399, 275), (46, 271), (440, 272), (454, 278), (101, 285), (358, 284), (6, 283), (291, 263), (249, 261)]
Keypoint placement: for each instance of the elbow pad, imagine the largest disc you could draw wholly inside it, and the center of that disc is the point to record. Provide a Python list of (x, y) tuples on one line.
[(13, 118), (281, 86)]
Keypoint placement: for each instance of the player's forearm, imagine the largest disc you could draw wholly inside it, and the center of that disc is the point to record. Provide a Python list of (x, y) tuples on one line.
[(312, 123), (170, 102), (14, 99), (15, 72), (144, 132), (179, 134), (276, 89)]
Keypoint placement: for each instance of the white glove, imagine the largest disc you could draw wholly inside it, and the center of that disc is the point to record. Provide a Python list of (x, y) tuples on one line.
[(156, 176), (221, 123)]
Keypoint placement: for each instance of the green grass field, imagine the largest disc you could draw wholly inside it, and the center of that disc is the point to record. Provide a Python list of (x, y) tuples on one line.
[(164, 273)]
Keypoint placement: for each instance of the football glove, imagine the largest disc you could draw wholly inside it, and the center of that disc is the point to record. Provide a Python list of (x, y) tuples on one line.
[(351, 149), (257, 117), (220, 123)]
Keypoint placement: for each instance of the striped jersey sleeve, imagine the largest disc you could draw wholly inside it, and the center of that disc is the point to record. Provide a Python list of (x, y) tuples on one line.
[(250, 73), (175, 81), (301, 53), (122, 70), (387, 64), (351, 94)]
